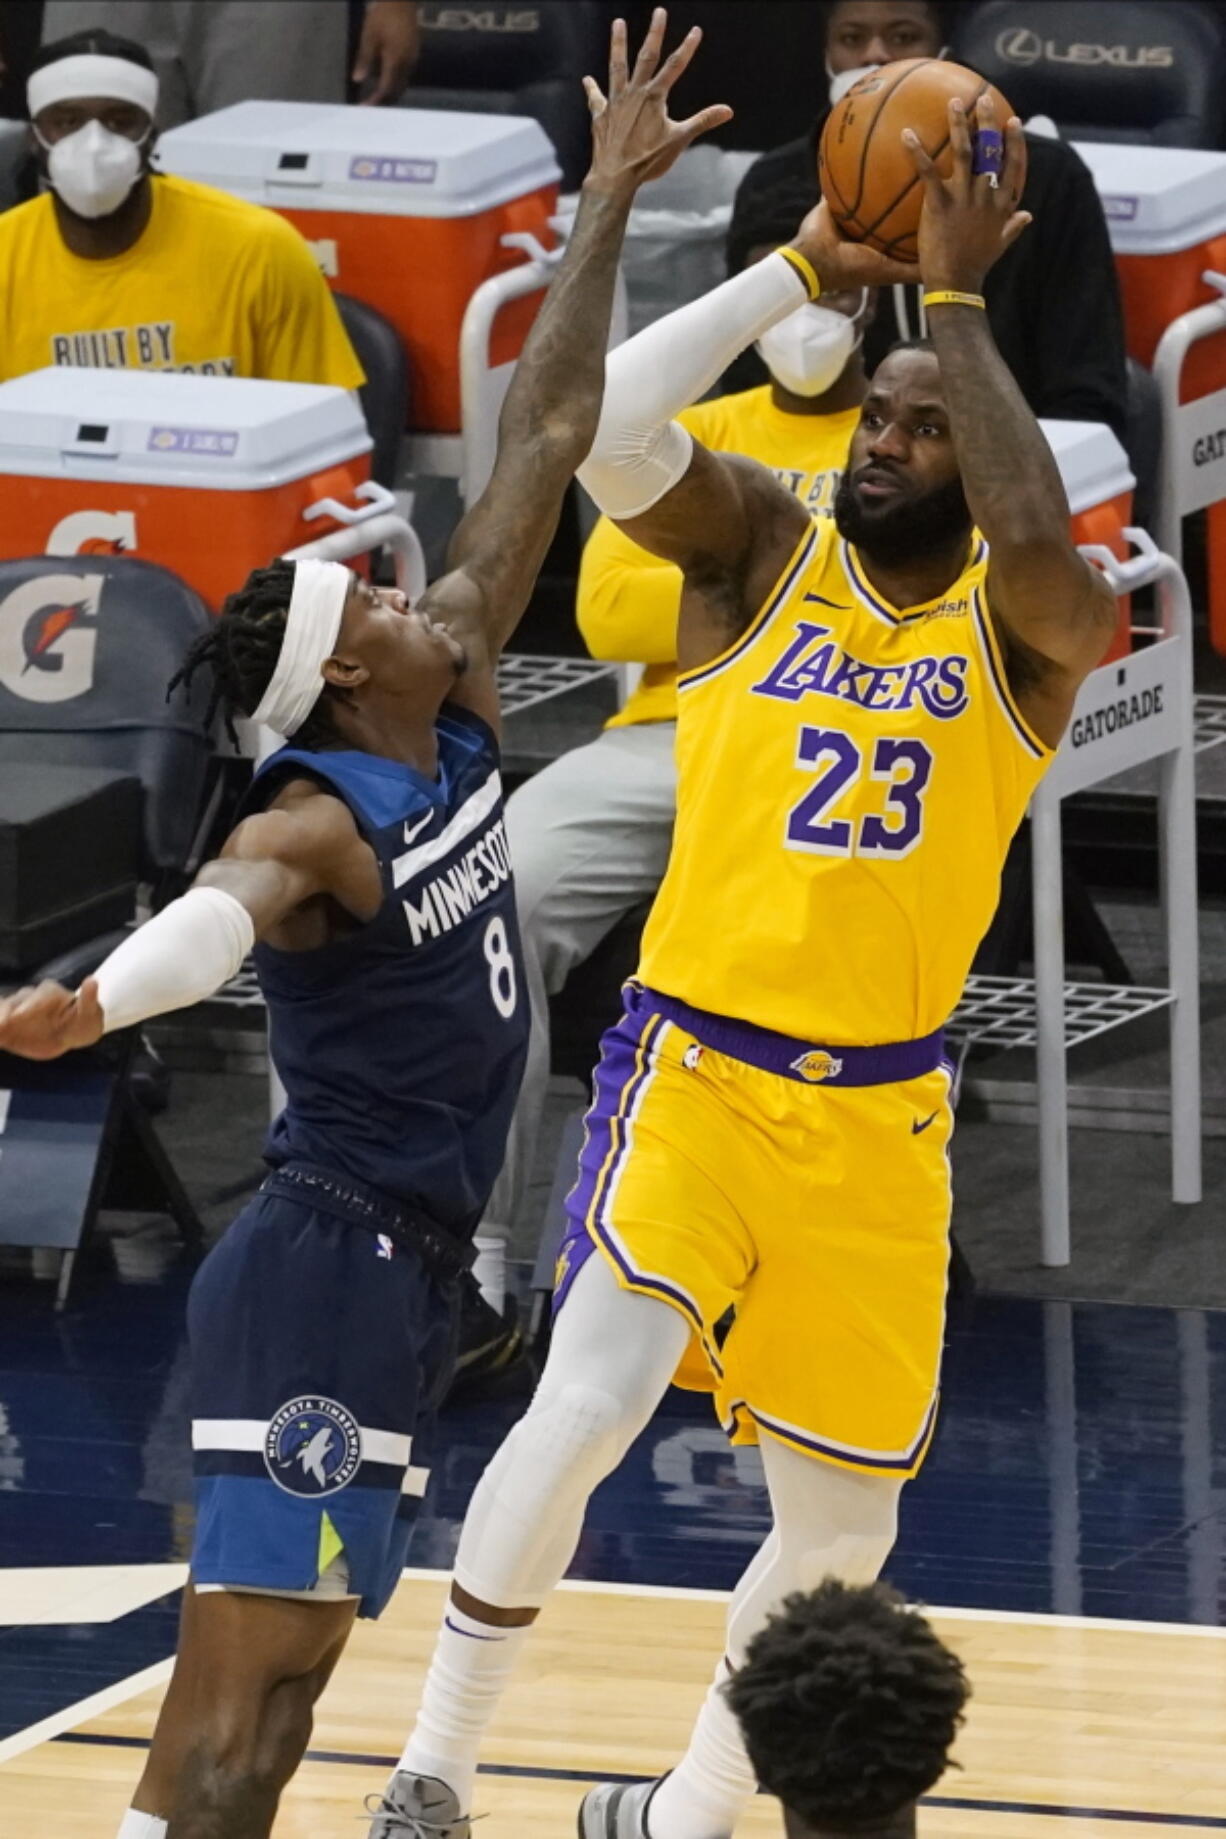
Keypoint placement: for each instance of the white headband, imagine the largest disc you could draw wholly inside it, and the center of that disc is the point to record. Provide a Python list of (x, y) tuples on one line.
[(311, 628), (90, 74)]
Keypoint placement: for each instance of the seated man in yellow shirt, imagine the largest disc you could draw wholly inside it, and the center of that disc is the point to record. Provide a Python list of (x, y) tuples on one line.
[(122, 268), (590, 835)]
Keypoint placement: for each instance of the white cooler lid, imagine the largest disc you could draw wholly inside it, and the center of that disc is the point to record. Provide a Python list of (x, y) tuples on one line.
[(1092, 462), (230, 434), (1158, 199), (329, 157)]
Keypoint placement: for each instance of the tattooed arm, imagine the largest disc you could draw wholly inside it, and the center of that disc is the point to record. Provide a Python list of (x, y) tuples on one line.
[(552, 407), (1053, 612)]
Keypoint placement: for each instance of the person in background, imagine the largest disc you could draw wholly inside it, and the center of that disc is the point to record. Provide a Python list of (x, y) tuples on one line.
[(117, 267), (848, 1703), (1053, 298), (590, 834), (211, 53)]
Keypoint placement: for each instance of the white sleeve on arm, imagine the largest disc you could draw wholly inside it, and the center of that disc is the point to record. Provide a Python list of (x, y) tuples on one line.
[(183, 954), (639, 452)]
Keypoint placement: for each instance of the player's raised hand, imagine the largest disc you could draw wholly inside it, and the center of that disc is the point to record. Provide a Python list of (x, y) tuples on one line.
[(46, 1020), (970, 218), (839, 262), (633, 138)]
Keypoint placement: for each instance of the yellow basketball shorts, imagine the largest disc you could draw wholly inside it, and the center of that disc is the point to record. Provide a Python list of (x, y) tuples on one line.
[(769, 1181)]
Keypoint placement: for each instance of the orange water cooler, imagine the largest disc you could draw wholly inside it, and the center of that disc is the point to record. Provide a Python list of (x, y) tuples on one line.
[(405, 208), (208, 476), (1099, 485), (1166, 213)]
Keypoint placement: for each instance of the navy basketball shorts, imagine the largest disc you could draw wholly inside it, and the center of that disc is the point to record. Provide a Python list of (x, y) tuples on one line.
[(319, 1355)]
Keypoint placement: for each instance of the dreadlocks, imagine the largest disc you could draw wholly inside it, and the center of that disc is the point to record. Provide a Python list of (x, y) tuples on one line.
[(848, 1703), (241, 649)]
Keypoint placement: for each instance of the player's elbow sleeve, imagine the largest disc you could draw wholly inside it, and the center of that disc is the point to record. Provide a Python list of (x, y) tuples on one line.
[(633, 463), (183, 954)]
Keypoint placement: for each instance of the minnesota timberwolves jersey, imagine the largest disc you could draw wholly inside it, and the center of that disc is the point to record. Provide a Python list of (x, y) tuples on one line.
[(401, 1046)]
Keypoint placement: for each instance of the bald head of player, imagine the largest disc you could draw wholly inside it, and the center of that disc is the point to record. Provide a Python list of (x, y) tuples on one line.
[(848, 1703), (385, 673), (901, 500)]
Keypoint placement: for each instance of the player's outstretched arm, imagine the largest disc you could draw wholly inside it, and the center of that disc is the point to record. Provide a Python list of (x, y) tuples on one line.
[(726, 521), (307, 844), (1053, 610), (552, 407)]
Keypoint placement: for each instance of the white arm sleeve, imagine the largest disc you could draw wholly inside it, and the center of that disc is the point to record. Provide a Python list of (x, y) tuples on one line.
[(639, 452), (181, 955)]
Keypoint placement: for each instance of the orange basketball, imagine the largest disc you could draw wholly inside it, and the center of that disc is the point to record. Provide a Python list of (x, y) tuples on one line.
[(865, 171)]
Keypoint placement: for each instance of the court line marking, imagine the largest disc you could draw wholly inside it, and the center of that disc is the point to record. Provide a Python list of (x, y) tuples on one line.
[(92, 1707), (521, 1772), (1021, 1618)]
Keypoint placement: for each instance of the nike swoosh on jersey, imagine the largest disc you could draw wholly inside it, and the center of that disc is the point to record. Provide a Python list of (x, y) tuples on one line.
[(918, 1124), (412, 830)]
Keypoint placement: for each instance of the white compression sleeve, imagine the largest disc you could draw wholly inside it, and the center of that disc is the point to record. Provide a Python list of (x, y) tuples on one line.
[(639, 452), (181, 955)]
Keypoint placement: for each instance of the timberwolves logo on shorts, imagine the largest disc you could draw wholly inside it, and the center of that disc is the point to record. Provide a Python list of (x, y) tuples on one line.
[(313, 1447)]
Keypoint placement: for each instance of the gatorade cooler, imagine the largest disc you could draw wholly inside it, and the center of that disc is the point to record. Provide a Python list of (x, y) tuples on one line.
[(1166, 215), (1099, 482), (208, 476), (404, 208), (1166, 212)]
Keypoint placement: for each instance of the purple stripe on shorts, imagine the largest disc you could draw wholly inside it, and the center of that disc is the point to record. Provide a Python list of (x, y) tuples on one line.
[(804, 1061), (623, 1070), (833, 1450)]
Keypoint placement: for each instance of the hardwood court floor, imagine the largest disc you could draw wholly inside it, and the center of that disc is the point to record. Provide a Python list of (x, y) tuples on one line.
[(1077, 1730)]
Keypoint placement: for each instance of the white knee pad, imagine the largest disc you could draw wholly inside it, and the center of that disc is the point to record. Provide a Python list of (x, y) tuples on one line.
[(526, 1515)]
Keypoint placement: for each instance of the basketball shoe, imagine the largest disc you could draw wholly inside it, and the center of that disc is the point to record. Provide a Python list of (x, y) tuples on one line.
[(617, 1810), (417, 1807)]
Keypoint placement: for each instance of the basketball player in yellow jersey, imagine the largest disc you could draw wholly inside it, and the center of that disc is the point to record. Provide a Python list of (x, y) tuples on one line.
[(865, 708)]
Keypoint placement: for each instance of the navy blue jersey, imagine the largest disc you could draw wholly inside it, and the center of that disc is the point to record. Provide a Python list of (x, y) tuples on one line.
[(401, 1047)]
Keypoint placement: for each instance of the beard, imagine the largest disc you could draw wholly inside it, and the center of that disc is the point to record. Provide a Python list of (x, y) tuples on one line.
[(907, 530)]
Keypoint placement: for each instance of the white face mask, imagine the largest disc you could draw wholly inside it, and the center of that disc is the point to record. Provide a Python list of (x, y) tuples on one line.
[(808, 351), (93, 170)]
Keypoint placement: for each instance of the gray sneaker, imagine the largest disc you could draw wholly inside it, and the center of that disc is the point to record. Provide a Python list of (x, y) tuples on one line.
[(616, 1810), (417, 1807)]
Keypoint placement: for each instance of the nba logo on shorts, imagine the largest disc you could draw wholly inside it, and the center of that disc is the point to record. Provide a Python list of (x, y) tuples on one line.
[(313, 1447), (817, 1066)]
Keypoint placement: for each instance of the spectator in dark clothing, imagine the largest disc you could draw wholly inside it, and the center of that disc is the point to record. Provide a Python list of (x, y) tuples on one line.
[(1053, 299)]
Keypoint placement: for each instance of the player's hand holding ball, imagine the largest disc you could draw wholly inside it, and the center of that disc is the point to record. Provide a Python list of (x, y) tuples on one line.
[(839, 263), (971, 218)]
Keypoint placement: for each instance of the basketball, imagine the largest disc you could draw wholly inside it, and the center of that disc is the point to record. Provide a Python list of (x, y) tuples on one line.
[(866, 173)]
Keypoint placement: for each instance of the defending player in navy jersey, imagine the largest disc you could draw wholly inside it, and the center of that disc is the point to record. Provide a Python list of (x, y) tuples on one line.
[(369, 871)]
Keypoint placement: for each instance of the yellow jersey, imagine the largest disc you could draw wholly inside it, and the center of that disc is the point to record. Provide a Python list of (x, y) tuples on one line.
[(212, 284), (628, 600), (850, 775)]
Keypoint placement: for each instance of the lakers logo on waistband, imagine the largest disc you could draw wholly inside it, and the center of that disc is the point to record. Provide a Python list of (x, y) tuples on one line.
[(816, 1066)]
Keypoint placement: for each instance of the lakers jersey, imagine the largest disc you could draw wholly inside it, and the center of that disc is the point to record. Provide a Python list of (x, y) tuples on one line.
[(850, 775)]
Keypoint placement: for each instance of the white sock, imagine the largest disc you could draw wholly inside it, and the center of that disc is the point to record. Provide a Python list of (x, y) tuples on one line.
[(469, 1672), (141, 1826), (704, 1796), (490, 1269)]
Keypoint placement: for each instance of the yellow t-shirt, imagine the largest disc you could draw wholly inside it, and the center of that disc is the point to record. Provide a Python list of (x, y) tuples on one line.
[(213, 284), (850, 774), (628, 600)]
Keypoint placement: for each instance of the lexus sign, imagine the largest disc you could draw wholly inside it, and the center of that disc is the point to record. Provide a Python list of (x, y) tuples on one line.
[(1019, 45)]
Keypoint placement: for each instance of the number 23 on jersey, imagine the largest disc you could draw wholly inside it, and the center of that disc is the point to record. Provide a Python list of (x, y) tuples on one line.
[(902, 766)]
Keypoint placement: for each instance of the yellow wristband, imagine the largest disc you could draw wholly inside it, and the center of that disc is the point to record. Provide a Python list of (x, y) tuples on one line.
[(947, 297), (804, 268)]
